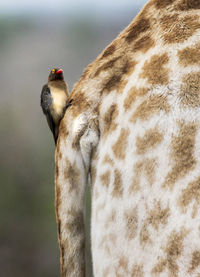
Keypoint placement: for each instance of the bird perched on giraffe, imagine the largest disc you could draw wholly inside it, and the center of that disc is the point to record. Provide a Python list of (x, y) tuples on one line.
[(54, 98)]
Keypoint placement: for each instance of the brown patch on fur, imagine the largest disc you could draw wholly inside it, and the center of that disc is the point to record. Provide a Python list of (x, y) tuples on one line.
[(190, 93), (143, 44), (143, 168), (105, 178), (185, 5), (72, 174), (160, 266), (144, 235), (174, 250), (106, 65), (117, 185), (136, 28), (109, 51), (151, 106), (192, 192), (122, 266), (131, 219), (79, 104), (195, 262), (132, 95), (137, 271), (112, 82), (119, 148), (109, 120), (75, 226), (154, 70), (62, 132), (189, 56), (177, 29), (111, 218), (182, 153), (160, 4), (150, 140), (116, 79), (108, 160), (158, 216)]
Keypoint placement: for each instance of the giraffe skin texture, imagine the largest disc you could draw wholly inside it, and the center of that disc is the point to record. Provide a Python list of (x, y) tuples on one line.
[(133, 132)]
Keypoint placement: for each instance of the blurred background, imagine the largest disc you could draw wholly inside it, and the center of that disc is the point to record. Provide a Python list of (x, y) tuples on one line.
[(35, 36)]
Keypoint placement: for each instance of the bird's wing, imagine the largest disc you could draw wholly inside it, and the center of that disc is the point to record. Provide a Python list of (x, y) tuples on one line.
[(46, 101)]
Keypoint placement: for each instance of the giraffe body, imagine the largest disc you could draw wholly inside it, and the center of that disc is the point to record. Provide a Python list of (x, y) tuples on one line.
[(133, 131)]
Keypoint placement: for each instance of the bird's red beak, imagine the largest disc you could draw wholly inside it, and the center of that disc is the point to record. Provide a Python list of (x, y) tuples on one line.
[(59, 71)]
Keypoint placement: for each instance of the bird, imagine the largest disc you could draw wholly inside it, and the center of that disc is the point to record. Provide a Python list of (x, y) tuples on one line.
[(54, 100)]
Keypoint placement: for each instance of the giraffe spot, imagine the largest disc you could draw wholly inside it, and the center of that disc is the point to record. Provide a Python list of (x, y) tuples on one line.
[(131, 220), (111, 218), (136, 28), (158, 216), (159, 267), (191, 193), (117, 75), (189, 56), (72, 174), (160, 4), (150, 140), (137, 271), (185, 5), (122, 267), (108, 160), (182, 153), (105, 178), (177, 29), (59, 155), (62, 131), (94, 154), (119, 148), (72, 263), (119, 72), (174, 249), (109, 51), (106, 65), (117, 185), (75, 223), (149, 107), (144, 235), (195, 262), (189, 92), (132, 95), (112, 82), (143, 44), (154, 70), (144, 168), (79, 104), (109, 120)]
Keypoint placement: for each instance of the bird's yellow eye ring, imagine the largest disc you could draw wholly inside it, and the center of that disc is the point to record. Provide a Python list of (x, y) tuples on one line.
[(53, 71)]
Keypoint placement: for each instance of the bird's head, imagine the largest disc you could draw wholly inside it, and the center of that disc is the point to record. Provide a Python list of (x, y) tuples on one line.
[(56, 74)]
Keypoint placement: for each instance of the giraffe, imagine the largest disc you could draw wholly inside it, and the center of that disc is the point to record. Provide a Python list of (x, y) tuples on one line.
[(133, 132)]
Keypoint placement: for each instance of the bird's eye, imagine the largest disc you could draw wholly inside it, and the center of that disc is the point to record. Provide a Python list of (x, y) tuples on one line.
[(53, 71)]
